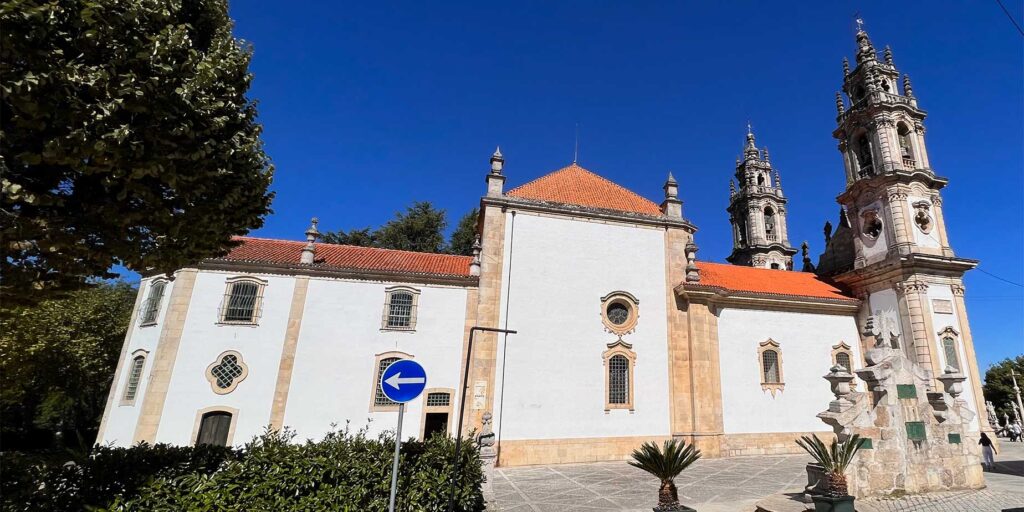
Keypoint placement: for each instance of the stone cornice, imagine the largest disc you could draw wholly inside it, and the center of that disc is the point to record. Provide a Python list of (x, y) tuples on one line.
[(881, 181), (721, 297), (588, 212), (322, 270), (906, 266)]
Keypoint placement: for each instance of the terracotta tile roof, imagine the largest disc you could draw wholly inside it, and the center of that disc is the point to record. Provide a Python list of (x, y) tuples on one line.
[(768, 281), (267, 250), (577, 186)]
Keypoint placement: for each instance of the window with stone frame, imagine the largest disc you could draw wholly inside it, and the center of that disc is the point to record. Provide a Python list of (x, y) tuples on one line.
[(620, 312), (400, 308), (243, 301), (151, 306), (226, 372), (379, 402), (769, 357), (134, 379), (619, 362)]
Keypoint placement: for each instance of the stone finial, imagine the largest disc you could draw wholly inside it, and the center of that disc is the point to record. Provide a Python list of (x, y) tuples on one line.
[(765, 156), (750, 151), (732, 187), (839, 103), (952, 382), (805, 250), (908, 91), (841, 381), (888, 55), (828, 232), (692, 272), (672, 206), (778, 180), (869, 327), (495, 179), (497, 161), (309, 251), (474, 266)]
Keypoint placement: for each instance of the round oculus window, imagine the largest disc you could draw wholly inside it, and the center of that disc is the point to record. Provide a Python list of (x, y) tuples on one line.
[(618, 313)]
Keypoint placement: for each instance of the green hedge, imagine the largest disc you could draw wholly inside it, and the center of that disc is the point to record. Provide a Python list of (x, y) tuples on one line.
[(344, 471)]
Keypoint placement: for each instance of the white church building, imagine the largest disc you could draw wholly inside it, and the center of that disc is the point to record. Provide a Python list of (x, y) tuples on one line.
[(623, 335)]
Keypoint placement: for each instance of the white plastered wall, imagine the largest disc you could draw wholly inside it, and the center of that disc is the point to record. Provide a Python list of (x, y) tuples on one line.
[(806, 341), (341, 335), (121, 420), (550, 381), (886, 310)]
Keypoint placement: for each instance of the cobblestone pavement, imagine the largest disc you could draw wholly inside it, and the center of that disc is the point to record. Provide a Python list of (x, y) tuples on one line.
[(727, 485)]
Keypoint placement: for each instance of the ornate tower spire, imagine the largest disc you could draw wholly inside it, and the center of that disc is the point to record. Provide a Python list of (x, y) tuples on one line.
[(672, 206), (757, 211)]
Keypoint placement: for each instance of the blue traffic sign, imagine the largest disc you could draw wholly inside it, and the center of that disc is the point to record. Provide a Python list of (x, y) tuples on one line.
[(403, 381)]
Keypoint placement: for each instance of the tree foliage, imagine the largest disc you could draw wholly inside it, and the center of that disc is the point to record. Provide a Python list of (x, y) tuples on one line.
[(461, 241), (127, 139), (999, 385), (57, 359), (420, 228)]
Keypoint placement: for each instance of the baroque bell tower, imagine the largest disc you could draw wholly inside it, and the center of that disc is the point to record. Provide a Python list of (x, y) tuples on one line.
[(757, 211), (891, 249)]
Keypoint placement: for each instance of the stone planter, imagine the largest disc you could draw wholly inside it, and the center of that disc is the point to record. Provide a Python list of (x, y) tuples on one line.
[(828, 504)]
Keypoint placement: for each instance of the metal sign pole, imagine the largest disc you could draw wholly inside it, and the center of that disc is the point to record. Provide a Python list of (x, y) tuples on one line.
[(398, 448)]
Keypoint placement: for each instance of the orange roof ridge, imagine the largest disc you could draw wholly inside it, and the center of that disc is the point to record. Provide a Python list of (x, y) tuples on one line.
[(581, 187), (768, 281)]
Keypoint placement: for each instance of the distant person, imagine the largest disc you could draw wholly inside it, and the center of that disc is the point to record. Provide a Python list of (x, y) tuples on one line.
[(988, 451), (1015, 432)]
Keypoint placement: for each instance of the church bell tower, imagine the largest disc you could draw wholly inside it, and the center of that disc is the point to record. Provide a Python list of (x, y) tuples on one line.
[(757, 211), (891, 248)]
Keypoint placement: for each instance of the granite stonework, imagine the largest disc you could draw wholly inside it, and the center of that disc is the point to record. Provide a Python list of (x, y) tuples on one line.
[(916, 441)]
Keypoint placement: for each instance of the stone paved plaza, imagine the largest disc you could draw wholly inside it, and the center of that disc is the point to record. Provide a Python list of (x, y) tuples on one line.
[(720, 485)]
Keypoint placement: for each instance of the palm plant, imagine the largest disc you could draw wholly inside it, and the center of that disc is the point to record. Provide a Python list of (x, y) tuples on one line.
[(834, 459), (665, 463)]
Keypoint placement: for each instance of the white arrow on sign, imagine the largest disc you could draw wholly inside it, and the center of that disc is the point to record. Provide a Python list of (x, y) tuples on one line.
[(396, 380)]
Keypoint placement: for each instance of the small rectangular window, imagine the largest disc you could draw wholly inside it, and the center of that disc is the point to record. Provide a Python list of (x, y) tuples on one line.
[(438, 399)]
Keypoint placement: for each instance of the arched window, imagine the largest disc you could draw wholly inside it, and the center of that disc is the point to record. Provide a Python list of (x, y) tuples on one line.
[(843, 359), (769, 223), (769, 355), (863, 150), (151, 307), (215, 428), (242, 300), (619, 361), (400, 308), (906, 150), (842, 356), (131, 386), (760, 179)]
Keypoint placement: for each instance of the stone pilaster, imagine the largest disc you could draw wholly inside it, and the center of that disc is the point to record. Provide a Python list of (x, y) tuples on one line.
[(920, 338), (291, 342), (480, 395), (902, 223), (166, 353), (940, 225), (974, 375), (680, 394)]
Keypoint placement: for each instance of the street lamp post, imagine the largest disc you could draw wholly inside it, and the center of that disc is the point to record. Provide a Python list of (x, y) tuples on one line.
[(462, 408)]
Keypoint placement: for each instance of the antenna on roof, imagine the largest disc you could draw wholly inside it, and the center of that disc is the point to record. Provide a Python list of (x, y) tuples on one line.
[(576, 148)]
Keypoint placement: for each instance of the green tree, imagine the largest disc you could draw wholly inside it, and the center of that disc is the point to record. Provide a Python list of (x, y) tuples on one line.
[(420, 228), (57, 360), (127, 139), (461, 241), (998, 387), (365, 237)]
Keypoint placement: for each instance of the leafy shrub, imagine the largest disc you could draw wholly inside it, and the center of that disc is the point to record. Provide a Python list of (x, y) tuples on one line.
[(31, 484), (344, 471)]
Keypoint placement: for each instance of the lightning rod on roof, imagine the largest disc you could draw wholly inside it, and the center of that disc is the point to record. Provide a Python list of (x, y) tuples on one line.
[(576, 148)]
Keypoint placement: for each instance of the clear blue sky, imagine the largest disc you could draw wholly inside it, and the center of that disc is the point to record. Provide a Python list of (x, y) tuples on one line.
[(369, 106)]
